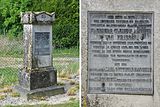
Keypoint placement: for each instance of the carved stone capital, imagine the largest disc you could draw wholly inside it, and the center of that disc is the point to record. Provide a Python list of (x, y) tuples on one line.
[(37, 17)]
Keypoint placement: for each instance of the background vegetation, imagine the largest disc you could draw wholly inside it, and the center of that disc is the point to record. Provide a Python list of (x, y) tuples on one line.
[(65, 28)]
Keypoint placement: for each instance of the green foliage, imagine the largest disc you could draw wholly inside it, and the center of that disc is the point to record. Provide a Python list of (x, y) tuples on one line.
[(10, 16), (8, 76), (65, 28)]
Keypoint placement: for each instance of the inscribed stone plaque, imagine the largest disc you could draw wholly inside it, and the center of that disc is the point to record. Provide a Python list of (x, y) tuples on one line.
[(120, 52), (42, 43)]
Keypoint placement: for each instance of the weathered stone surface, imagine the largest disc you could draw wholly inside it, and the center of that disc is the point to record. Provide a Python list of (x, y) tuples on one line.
[(38, 46), (42, 46), (118, 100), (38, 93), (37, 17), (27, 46), (120, 52), (38, 77)]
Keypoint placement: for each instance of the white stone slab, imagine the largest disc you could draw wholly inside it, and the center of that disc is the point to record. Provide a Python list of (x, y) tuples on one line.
[(120, 58)]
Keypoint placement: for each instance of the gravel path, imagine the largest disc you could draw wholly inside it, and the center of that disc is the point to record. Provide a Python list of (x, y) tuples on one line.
[(50, 100)]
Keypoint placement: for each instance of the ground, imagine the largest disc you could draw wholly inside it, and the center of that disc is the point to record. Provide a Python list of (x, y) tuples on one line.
[(10, 98)]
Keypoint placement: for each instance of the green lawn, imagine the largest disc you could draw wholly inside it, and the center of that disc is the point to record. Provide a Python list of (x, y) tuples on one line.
[(16, 50), (68, 104), (66, 52), (8, 76), (66, 69)]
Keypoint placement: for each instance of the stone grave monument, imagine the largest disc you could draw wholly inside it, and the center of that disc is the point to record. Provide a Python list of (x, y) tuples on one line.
[(38, 77), (120, 53)]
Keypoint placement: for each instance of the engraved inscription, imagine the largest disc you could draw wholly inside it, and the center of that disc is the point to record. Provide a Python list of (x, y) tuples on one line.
[(42, 43), (120, 52)]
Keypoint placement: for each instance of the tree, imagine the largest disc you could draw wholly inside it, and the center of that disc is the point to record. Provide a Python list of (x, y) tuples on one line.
[(65, 28)]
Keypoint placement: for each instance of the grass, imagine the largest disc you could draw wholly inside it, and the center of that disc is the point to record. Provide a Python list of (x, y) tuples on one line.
[(73, 90), (66, 52), (2, 96), (60, 83), (8, 76), (10, 48), (15, 94), (6, 89), (66, 69), (17, 52), (72, 82), (68, 104), (14, 48)]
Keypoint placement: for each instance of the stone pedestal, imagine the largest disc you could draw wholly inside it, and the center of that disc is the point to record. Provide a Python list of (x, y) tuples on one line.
[(38, 77), (40, 92)]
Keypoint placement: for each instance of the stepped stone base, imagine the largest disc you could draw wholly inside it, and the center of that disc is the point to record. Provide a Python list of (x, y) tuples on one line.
[(37, 93), (41, 78)]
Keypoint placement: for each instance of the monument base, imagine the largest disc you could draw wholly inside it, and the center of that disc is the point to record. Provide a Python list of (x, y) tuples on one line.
[(38, 83), (35, 79), (38, 93)]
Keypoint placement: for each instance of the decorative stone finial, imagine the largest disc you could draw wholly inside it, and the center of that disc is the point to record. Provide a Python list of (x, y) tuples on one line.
[(37, 17)]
